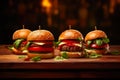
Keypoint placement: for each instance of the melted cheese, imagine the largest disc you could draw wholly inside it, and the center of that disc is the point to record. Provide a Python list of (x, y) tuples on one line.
[(80, 45), (39, 43), (62, 43)]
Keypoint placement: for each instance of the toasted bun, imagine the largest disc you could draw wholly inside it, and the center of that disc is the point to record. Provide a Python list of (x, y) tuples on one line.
[(70, 34), (42, 55), (73, 54), (102, 51), (40, 35), (95, 34), (21, 33), (18, 52)]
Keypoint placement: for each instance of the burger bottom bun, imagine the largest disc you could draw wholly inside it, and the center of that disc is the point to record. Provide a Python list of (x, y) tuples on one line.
[(42, 55), (73, 54), (102, 51), (18, 52)]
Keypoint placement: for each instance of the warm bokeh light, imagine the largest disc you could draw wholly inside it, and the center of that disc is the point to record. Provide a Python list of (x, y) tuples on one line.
[(46, 3), (56, 15)]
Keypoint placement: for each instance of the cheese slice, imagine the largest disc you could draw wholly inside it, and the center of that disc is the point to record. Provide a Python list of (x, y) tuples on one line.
[(39, 43), (80, 45), (62, 43)]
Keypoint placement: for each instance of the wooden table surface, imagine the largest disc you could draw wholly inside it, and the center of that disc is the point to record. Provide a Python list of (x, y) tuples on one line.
[(11, 66)]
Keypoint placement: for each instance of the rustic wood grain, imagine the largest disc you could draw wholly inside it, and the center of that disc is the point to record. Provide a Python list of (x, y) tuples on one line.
[(11, 66)]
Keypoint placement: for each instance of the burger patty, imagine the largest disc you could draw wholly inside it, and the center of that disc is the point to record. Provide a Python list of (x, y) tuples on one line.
[(70, 48)]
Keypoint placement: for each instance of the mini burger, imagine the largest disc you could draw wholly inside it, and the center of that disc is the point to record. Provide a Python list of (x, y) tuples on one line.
[(41, 44), (71, 44), (96, 42), (20, 42)]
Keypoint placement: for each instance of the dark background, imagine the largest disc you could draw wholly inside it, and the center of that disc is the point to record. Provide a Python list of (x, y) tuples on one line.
[(83, 15)]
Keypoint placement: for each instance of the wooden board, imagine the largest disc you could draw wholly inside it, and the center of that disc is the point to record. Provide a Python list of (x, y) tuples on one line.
[(11, 66), (6, 55)]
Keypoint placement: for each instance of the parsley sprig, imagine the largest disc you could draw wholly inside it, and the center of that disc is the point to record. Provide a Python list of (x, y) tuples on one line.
[(36, 58)]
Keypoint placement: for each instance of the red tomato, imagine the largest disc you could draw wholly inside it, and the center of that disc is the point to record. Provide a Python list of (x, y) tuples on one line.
[(40, 49), (24, 42), (99, 47)]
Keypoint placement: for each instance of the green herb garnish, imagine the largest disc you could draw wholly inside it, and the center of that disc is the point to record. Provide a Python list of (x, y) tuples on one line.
[(17, 42), (89, 42), (94, 55), (99, 42), (57, 43), (59, 58), (64, 55), (115, 52), (36, 58), (105, 40), (80, 39), (27, 45), (21, 56), (10, 47)]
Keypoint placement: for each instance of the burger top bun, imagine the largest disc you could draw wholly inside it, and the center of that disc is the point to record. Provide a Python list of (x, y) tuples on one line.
[(21, 33), (95, 34), (70, 34), (40, 35)]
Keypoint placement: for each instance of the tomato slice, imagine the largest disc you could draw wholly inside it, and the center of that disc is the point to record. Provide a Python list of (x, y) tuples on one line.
[(71, 42), (40, 49), (24, 42), (99, 47)]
